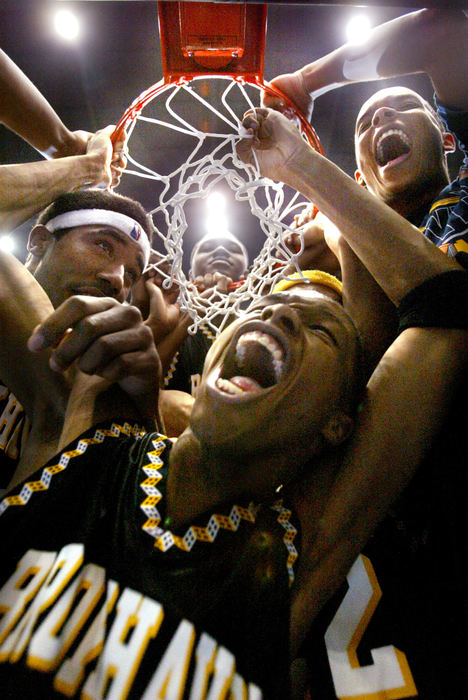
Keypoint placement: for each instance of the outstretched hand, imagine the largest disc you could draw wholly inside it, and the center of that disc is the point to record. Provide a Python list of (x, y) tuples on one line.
[(110, 157), (159, 306), (292, 85), (275, 141), (316, 253)]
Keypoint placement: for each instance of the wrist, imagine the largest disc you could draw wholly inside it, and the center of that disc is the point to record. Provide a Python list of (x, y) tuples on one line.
[(67, 143), (92, 171)]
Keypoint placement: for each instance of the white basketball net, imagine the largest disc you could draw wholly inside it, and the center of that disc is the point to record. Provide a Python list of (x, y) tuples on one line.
[(211, 158)]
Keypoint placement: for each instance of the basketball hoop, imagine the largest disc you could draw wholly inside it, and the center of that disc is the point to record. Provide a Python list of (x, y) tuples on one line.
[(211, 78)]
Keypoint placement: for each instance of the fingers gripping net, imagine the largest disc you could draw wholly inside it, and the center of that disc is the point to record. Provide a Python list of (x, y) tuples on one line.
[(203, 137)]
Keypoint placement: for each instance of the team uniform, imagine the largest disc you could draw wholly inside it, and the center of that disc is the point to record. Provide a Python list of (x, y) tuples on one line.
[(14, 431), (397, 628), (446, 223), (100, 598), (186, 367)]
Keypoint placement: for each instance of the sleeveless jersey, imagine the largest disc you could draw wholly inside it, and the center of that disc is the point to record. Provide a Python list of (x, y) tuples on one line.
[(99, 598), (397, 628)]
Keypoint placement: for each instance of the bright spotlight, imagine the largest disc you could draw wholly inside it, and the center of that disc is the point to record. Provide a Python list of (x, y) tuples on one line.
[(216, 203), (358, 29), (216, 222), (66, 25), (7, 243), (216, 225)]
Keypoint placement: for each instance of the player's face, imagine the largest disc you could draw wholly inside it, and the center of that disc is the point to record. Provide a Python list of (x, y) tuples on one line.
[(275, 376), (399, 144), (93, 260), (222, 254)]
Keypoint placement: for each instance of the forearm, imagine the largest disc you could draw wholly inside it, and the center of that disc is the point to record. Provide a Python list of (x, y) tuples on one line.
[(170, 344), (408, 399), (24, 304), (26, 189), (428, 41), (374, 315), (372, 229), (26, 112)]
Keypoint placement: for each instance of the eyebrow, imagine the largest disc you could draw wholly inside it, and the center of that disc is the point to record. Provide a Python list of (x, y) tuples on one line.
[(122, 238)]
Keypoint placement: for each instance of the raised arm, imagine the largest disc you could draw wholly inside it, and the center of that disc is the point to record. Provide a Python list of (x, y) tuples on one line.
[(24, 110), (27, 188), (413, 385), (372, 229), (430, 41)]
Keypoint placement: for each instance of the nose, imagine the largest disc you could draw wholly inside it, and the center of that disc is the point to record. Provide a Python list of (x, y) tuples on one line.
[(283, 316), (114, 282), (382, 115), (220, 251)]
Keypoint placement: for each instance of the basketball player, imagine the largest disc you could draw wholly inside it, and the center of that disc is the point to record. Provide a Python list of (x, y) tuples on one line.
[(401, 143), (93, 243), (215, 262), (408, 654), (131, 571)]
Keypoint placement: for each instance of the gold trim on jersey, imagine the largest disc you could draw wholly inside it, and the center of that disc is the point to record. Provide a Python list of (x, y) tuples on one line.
[(47, 473), (165, 539)]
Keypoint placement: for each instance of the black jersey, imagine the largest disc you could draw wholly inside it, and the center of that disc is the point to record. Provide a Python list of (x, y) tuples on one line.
[(186, 367), (397, 629), (100, 598)]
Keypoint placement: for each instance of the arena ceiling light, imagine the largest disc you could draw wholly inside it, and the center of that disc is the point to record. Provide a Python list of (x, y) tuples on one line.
[(66, 25), (357, 29), (216, 220), (7, 243)]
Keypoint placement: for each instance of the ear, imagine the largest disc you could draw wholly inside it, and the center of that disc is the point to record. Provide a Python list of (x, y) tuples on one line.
[(449, 142), (337, 428), (39, 240), (359, 179)]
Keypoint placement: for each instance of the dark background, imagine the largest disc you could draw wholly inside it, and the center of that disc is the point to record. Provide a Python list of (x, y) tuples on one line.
[(92, 81)]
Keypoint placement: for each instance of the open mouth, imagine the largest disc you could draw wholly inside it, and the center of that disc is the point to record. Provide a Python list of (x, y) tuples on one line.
[(391, 145), (257, 362)]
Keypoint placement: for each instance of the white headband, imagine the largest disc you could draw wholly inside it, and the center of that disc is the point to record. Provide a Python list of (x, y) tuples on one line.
[(91, 217)]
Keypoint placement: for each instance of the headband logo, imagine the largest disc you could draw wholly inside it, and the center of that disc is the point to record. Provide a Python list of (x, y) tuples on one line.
[(135, 233)]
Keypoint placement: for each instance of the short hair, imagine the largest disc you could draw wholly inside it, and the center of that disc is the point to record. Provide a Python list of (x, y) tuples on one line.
[(97, 199)]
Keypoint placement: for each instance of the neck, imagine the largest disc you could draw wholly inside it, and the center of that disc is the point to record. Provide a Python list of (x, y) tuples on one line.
[(194, 484), (413, 203), (201, 479)]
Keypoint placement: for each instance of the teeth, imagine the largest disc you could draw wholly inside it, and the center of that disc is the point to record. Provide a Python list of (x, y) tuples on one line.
[(391, 132), (268, 342), (227, 386)]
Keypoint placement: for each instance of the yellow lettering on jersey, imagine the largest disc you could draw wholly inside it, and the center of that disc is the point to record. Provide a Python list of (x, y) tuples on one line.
[(168, 680), (239, 691), (71, 673), (66, 563), (20, 588), (204, 663), (47, 648), (223, 673), (7, 420), (389, 677), (138, 619)]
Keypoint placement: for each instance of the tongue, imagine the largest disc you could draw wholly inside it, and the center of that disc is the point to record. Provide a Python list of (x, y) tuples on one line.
[(246, 383)]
